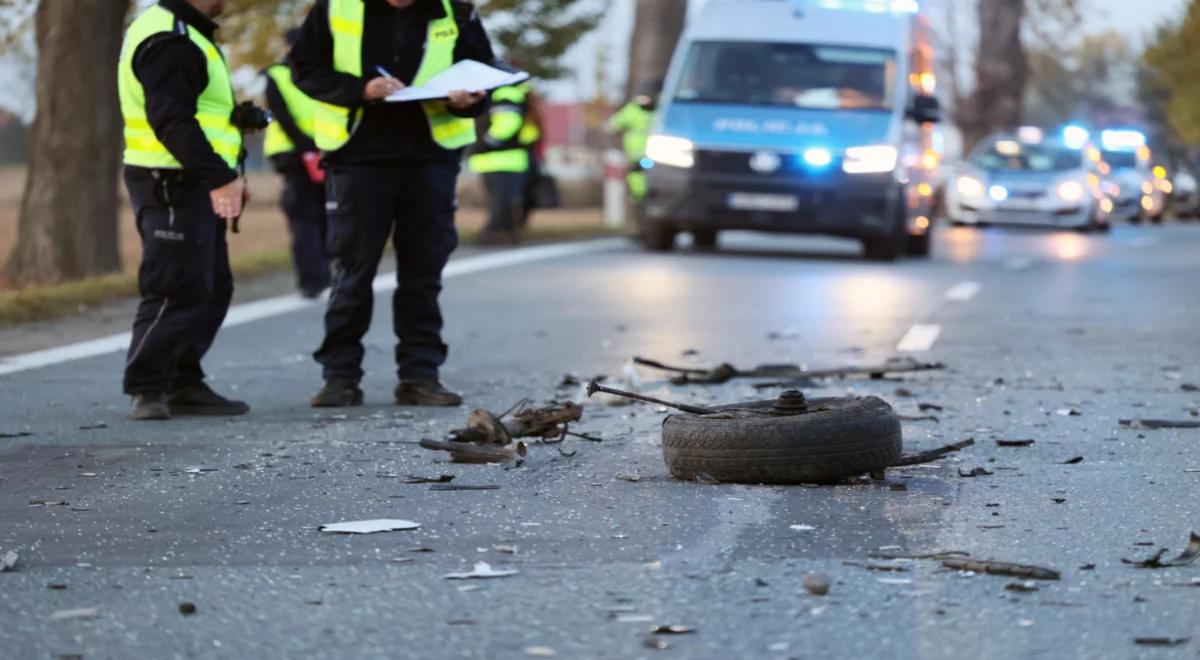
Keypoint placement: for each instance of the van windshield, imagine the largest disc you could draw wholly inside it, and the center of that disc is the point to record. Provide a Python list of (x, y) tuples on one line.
[(1009, 155), (791, 75)]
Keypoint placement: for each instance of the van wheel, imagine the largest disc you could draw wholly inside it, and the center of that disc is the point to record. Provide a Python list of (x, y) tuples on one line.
[(656, 236), (704, 239), (919, 246)]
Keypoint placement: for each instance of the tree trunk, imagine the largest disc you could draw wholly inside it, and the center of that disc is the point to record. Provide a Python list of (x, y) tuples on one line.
[(68, 223), (1000, 73), (656, 30)]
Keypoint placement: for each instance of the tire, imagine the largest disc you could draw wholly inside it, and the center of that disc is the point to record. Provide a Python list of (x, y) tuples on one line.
[(704, 239), (882, 249), (657, 237), (919, 246), (844, 438)]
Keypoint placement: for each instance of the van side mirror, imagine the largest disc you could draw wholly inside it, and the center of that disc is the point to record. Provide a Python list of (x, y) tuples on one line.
[(925, 109)]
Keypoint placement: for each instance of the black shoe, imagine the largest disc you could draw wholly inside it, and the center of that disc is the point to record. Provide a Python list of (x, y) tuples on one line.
[(201, 400), (147, 407), (425, 392), (338, 393)]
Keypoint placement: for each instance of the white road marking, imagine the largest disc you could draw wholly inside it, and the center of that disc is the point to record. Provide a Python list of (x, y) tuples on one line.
[(269, 307), (919, 338), (963, 291), (1018, 263)]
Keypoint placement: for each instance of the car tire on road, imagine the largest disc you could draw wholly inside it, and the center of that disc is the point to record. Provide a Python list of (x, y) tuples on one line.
[(841, 437), (656, 236), (919, 246), (704, 239), (884, 249)]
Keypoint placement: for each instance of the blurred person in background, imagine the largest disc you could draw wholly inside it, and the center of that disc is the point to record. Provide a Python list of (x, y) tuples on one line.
[(633, 122), (290, 146), (183, 153), (506, 158)]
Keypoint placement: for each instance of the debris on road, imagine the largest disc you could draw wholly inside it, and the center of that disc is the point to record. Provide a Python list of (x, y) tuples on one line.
[(1162, 641), (1015, 443), (187, 608), (1068, 412), (974, 472), (540, 652), (466, 452), (991, 567), (464, 487), (672, 630), (873, 566), (1072, 461), (9, 435), (726, 372), (1156, 424), (920, 418), (1189, 387), (93, 427), (932, 454), (1188, 556), (707, 479), (816, 584), (626, 476), (487, 438), (440, 479), (79, 613), (9, 561), (369, 526), (594, 386), (802, 528), (1022, 587), (482, 571)]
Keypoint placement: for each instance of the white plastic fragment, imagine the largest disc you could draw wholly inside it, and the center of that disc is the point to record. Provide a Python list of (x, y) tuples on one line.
[(369, 526), (9, 561), (481, 571), (80, 613), (803, 528)]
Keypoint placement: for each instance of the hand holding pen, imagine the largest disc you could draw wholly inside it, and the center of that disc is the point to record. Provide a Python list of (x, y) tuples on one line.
[(381, 87)]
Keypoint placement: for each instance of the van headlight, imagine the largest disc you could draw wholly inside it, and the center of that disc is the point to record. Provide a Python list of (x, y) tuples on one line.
[(868, 160), (1070, 191), (670, 150), (969, 186)]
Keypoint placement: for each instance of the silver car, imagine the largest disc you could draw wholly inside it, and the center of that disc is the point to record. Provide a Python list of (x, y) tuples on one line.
[(1015, 180)]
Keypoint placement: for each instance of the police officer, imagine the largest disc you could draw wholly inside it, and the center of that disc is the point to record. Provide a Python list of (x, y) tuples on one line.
[(504, 157), (391, 173), (289, 144), (633, 121), (183, 145)]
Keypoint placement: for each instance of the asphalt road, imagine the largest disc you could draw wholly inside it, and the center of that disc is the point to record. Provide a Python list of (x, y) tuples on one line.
[(1047, 336)]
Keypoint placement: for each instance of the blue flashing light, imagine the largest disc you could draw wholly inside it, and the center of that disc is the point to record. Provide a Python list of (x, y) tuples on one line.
[(1122, 139), (646, 163), (1075, 136), (818, 158)]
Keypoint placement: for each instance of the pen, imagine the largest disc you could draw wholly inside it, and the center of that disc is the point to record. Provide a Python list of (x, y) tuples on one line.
[(384, 72)]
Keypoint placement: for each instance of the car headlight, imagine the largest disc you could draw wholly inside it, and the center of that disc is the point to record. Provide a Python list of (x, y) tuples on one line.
[(1070, 191), (969, 186), (868, 160), (670, 150)]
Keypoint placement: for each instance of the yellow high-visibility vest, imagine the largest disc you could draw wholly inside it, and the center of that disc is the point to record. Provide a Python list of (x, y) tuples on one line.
[(214, 107), (335, 124), (301, 107), (509, 125)]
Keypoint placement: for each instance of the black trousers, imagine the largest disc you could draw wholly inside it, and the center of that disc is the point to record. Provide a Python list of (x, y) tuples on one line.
[(184, 281), (506, 200), (304, 205), (411, 202)]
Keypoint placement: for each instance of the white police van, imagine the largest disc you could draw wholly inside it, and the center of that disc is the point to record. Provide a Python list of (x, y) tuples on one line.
[(797, 116)]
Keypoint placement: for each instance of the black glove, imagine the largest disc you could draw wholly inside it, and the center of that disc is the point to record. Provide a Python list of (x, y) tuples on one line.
[(249, 117)]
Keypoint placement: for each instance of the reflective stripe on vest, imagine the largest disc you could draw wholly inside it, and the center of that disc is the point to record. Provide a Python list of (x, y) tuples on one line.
[(302, 109), (509, 160), (214, 107), (335, 124)]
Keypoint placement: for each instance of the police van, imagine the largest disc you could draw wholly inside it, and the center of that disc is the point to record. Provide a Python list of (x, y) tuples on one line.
[(797, 116)]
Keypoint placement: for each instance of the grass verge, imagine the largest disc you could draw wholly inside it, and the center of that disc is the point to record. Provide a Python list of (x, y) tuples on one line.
[(46, 303)]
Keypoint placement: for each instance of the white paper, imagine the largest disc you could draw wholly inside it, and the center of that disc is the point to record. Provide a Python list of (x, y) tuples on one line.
[(482, 570), (466, 75), (369, 526)]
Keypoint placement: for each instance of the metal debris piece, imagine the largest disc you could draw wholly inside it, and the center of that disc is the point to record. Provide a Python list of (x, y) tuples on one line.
[(466, 452), (440, 479), (9, 561), (369, 526), (932, 454), (595, 386), (1073, 461), (940, 555), (816, 584), (79, 613), (1188, 556), (93, 427), (1022, 587), (928, 407), (975, 472), (672, 630), (1001, 568), (872, 566), (1162, 641), (726, 372), (482, 570), (1015, 443), (1155, 424), (14, 434), (464, 487)]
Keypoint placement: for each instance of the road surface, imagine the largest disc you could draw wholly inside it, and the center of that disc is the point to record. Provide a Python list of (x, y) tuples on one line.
[(1048, 336)]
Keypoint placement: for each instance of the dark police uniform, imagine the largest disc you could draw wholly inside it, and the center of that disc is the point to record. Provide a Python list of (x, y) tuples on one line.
[(288, 141), (392, 169), (177, 101)]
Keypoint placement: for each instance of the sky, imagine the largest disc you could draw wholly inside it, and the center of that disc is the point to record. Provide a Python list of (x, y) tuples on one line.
[(1133, 18)]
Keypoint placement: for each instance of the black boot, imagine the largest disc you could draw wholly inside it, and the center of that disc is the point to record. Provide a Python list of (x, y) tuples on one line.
[(425, 392), (338, 393), (201, 400), (148, 407)]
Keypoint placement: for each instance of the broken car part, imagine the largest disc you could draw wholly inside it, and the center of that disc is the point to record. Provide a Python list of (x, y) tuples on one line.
[(1001, 568), (726, 372), (1188, 556), (594, 386), (1155, 424), (466, 452)]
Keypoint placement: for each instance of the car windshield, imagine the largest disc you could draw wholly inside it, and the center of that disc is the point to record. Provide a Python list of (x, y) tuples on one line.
[(791, 75), (1120, 159), (1012, 156)]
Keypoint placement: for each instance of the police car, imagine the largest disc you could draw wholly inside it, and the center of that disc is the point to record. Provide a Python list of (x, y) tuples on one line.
[(797, 116), (1027, 179)]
